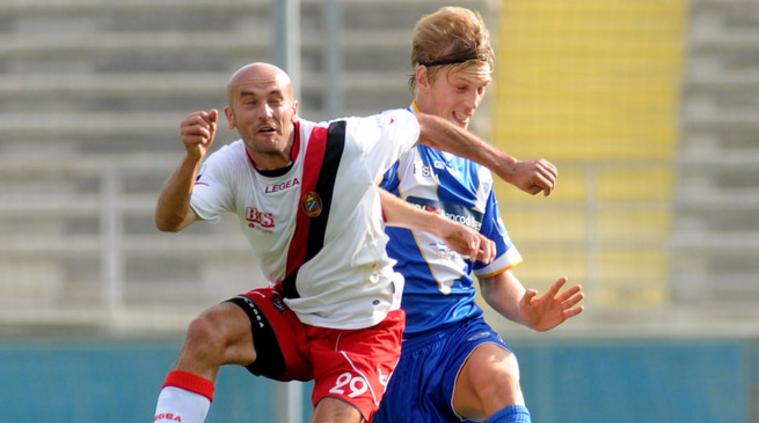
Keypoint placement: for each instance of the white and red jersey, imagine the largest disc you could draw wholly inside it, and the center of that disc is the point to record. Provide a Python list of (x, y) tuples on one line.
[(318, 227)]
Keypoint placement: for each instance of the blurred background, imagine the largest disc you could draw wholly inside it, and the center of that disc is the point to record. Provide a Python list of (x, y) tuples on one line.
[(650, 109)]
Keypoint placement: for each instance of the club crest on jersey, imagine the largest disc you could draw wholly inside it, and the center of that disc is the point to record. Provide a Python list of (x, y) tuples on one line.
[(311, 204)]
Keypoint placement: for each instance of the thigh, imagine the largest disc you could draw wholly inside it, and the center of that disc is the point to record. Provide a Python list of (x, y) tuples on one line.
[(277, 334), (417, 391), (220, 335), (488, 380), (334, 410), (354, 366)]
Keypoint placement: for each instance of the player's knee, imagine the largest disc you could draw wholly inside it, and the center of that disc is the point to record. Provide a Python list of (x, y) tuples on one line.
[(499, 382), (206, 337)]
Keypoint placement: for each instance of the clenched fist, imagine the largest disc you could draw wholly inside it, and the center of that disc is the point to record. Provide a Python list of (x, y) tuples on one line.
[(534, 176), (198, 131)]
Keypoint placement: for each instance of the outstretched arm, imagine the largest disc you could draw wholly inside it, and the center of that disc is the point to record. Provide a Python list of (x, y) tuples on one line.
[(531, 176), (460, 238), (173, 212), (508, 297)]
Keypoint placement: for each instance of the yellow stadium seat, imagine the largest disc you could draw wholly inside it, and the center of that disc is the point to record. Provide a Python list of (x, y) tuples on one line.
[(587, 86)]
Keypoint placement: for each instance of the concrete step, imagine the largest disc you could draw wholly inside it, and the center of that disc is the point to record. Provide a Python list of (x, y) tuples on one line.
[(91, 45), (729, 288), (68, 124), (87, 165), (726, 63), (718, 160), (720, 102), (147, 84), (72, 205), (744, 243), (76, 7), (721, 39), (715, 81), (716, 201), (360, 93), (27, 7), (230, 42), (722, 120), (78, 247)]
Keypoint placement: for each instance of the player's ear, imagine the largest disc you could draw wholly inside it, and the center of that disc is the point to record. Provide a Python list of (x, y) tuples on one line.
[(295, 107), (230, 117), (422, 77)]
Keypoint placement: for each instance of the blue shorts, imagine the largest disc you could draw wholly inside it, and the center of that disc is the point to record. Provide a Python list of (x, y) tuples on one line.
[(421, 388)]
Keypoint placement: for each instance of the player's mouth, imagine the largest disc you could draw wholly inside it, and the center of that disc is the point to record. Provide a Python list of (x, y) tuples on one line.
[(266, 129), (461, 119)]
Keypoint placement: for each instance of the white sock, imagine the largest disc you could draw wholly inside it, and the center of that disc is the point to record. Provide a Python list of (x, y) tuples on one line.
[(178, 405)]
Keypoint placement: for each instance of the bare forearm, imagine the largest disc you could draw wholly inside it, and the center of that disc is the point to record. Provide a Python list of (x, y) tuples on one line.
[(439, 133), (462, 239), (503, 293), (173, 210), (401, 214)]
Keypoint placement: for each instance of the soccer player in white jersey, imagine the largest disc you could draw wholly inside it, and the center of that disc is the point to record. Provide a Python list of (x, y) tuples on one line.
[(454, 366), (306, 197)]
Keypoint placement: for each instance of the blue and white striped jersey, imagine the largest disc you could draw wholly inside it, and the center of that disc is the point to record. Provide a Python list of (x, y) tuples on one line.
[(439, 288)]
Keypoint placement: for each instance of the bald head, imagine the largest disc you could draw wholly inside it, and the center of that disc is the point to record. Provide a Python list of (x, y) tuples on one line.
[(259, 74), (263, 110)]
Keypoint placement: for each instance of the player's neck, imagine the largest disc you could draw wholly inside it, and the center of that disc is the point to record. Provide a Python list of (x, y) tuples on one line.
[(272, 161), (277, 159), (420, 105)]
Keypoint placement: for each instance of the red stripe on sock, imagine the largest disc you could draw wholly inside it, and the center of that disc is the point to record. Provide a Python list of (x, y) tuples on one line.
[(190, 382)]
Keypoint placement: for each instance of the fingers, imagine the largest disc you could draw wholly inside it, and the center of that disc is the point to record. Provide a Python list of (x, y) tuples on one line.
[(199, 129), (572, 301), (546, 176), (550, 168), (534, 189), (471, 244), (528, 296), (569, 293), (556, 287), (473, 247), (463, 241), (195, 130), (569, 299), (213, 116), (486, 251), (538, 176), (572, 312)]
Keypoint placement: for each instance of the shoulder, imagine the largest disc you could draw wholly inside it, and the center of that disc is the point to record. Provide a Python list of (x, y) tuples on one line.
[(391, 118), (400, 117), (228, 157), (231, 150)]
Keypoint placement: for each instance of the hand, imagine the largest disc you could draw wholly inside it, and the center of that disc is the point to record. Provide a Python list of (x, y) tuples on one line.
[(551, 309), (198, 131), (533, 176), (468, 242)]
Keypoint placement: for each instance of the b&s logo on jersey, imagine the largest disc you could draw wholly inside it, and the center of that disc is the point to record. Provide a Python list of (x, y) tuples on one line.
[(311, 204), (259, 218)]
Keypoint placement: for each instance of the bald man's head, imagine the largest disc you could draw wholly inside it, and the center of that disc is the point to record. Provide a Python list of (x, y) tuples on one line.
[(259, 74), (263, 110)]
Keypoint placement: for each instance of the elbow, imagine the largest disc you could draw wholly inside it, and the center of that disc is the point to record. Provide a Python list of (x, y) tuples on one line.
[(166, 225)]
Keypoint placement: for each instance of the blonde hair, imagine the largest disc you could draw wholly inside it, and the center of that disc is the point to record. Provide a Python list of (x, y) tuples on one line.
[(450, 36)]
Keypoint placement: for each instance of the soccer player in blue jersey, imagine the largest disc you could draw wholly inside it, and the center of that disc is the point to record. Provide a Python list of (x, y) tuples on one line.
[(454, 366)]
